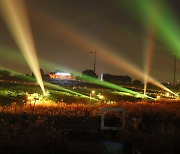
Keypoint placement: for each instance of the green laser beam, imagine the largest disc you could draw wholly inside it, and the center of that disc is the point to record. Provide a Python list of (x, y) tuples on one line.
[(162, 18), (50, 65)]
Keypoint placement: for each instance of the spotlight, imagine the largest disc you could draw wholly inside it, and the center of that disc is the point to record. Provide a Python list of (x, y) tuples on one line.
[(46, 93), (93, 92), (167, 94), (158, 97)]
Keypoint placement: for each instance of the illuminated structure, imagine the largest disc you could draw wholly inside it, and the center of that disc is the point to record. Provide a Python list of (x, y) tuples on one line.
[(61, 76)]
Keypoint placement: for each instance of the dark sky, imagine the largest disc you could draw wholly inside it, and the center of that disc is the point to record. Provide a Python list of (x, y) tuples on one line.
[(66, 31)]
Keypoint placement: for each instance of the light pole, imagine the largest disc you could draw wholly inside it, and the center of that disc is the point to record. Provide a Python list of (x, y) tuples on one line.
[(174, 74), (174, 78), (94, 59), (175, 69)]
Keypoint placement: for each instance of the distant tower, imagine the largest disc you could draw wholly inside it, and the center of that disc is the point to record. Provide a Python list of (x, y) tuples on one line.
[(94, 59)]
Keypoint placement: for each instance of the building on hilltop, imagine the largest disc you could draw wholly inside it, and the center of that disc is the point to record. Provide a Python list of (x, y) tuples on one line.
[(61, 75)]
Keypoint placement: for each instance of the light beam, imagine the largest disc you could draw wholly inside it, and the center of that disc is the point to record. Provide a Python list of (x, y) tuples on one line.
[(60, 29), (15, 15), (50, 65), (149, 49)]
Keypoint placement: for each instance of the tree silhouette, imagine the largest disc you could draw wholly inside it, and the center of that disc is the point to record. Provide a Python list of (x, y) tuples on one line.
[(5, 73), (117, 79), (89, 72), (137, 82)]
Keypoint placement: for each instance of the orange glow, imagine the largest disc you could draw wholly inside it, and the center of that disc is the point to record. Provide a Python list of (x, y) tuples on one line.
[(42, 103), (55, 76)]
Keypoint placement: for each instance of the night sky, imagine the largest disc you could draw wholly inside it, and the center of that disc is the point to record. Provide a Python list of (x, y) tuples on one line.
[(66, 31)]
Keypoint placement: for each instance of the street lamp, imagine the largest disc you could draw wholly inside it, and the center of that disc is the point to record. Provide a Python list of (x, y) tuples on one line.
[(94, 59), (91, 94)]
